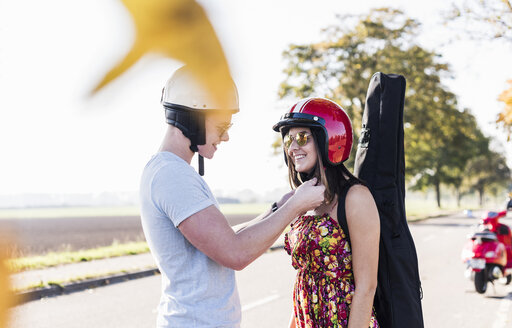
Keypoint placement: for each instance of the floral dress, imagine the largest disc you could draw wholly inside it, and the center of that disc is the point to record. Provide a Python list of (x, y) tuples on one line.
[(325, 285)]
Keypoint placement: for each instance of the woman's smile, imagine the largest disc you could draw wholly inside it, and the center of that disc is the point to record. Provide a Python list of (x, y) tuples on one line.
[(299, 157)]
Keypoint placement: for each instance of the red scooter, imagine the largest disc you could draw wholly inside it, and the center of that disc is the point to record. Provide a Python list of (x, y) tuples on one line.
[(488, 252)]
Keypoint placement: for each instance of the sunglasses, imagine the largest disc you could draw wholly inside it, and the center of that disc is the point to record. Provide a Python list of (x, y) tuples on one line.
[(302, 139), (223, 128)]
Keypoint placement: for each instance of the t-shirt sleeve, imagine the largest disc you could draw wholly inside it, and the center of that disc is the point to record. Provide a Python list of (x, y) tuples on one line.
[(180, 193)]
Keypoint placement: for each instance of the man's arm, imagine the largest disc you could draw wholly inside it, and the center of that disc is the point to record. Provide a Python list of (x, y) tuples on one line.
[(209, 231), (284, 199)]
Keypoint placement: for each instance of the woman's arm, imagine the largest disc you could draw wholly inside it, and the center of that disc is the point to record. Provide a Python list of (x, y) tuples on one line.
[(364, 226), (292, 321)]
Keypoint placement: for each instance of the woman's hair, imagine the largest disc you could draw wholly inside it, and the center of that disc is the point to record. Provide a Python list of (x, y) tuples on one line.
[(334, 178)]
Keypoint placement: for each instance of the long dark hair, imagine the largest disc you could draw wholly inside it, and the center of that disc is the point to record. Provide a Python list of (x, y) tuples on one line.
[(334, 178)]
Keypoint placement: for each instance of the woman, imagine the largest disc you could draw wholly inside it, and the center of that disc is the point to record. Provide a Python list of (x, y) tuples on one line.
[(336, 280)]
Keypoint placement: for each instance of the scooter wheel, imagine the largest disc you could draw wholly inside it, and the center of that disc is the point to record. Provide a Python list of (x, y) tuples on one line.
[(481, 281), (509, 279)]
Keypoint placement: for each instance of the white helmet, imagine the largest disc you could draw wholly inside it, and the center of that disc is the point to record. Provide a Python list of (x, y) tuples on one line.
[(184, 89), (186, 101)]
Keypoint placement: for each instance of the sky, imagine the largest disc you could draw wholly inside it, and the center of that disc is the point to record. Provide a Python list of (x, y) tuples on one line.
[(57, 139)]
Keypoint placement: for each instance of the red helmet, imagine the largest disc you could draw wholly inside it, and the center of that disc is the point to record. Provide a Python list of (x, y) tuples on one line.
[(333, 121)]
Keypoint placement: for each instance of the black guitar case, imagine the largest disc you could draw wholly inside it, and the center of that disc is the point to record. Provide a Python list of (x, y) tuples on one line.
[(380, 164)]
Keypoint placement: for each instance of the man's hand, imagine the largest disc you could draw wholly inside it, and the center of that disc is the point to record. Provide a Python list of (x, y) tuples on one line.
[(308, 196)]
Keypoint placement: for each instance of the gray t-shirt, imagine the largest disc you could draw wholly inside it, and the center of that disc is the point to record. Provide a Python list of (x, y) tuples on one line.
[(196, 291)]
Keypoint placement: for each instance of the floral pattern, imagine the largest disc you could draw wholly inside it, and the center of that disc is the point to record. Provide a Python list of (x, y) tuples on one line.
[(325, 285)]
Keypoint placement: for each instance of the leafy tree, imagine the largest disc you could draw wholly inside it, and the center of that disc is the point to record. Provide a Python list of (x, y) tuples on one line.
[(442, 153), (340, 67), (470, 143), (487, 20), (487, 172)]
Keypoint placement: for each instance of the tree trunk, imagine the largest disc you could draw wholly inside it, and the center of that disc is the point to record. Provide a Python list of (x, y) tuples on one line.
[(458, 195), (438, 194), (481, 196)]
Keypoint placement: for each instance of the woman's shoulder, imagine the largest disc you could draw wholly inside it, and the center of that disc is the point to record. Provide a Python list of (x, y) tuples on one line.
[(358, 195), (360, 208), (358, 190)]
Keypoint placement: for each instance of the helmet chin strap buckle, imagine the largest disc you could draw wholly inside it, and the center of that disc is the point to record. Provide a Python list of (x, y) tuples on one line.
[(201, 165), (200, 159)]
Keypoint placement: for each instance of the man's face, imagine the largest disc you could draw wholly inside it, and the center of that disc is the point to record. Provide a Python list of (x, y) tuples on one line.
[(217, 125)]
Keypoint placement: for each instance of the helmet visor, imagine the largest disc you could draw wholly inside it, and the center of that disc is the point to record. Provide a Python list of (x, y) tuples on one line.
[(298, 119)]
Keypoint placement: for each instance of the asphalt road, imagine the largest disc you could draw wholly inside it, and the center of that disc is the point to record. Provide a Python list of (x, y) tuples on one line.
[(39, 236), (265, 293), (265, 290)]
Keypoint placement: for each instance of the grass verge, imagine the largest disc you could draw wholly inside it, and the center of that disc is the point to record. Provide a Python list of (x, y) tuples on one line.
[(419, 210), (53, 259)]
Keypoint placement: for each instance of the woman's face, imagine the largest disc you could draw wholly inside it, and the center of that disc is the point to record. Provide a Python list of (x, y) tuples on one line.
[(301, 149)]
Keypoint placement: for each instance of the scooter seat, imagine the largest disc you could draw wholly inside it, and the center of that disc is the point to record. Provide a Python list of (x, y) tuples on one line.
[(485, 235)]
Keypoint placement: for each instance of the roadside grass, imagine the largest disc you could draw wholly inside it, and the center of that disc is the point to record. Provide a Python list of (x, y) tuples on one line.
[(54, 258), (419, 210)]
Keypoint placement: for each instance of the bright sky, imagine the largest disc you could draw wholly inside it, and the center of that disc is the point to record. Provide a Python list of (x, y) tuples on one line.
[(54, 139)]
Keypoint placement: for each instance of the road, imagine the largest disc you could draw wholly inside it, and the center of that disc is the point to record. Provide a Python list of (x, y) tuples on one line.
[(43, 235), (265, 290)]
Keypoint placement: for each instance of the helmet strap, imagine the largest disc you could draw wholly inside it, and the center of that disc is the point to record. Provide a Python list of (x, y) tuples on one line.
[(307, 176), (201, 165)]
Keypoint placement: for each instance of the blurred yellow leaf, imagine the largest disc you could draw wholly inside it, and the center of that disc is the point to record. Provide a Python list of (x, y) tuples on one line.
[(505, 117), (177, 29), (506, 97), (5, 293)]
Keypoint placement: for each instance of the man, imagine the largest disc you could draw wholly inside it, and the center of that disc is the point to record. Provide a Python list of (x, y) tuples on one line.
[(193, 245)]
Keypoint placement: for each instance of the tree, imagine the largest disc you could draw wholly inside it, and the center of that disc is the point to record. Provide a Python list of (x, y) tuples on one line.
[(487, 172), (441, 155), (470, 143), (487, 20), (340, 67)]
